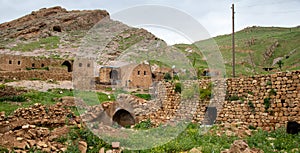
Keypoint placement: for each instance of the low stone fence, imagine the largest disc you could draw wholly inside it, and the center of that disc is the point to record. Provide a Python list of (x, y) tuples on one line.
[(35, 74)]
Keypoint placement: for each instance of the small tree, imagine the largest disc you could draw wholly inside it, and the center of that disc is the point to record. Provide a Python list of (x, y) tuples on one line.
[(280, 64), (168, 76)]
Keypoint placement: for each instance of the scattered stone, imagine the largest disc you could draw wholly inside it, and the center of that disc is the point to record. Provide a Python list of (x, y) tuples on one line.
[(115, 145), (102, 150), (240, 146), (25, 126), (42, 144), (82, 146), (109, 151), (19, 138), (195, 150), (20, 145)]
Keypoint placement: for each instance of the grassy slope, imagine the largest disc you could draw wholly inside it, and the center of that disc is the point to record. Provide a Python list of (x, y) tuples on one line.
[(264, 37)]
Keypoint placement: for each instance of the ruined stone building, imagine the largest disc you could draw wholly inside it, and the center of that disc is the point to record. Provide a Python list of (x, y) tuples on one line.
[(17, 67), (129, 75), (18, 63), (84, 73)]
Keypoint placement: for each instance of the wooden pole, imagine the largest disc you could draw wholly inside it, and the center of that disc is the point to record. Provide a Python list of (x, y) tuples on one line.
[(233, 43)]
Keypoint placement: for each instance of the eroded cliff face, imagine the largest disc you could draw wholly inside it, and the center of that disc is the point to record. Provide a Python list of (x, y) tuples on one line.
[(46, 21)]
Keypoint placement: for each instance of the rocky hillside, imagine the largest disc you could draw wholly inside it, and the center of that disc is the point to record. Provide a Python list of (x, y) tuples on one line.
[(58, 33), (46, 22)]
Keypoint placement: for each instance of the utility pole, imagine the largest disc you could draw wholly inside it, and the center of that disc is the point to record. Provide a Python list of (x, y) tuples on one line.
[(233, 43)]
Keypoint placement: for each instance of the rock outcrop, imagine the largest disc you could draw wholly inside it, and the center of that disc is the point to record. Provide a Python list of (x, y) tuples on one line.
[(46, 21)]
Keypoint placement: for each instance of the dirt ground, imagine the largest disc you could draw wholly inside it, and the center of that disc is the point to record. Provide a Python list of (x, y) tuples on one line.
[(41, 85)]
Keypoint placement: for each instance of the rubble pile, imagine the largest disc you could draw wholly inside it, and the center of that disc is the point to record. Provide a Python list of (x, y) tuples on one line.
[(36, 127), (240, 146), (233, 129)]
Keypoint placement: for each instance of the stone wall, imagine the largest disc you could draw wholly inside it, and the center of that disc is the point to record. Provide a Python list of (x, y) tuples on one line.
[(266, 101), (17, 62), (58, 75), (263, 101)]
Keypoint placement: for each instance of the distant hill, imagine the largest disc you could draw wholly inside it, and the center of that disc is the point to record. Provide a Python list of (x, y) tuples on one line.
[(256, 48)]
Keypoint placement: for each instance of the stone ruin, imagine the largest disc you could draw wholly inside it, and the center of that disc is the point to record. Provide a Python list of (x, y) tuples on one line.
[(269, 107)]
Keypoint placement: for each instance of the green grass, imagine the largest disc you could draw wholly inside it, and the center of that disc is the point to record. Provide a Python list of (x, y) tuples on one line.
[(275, 141), (45, 43), (94, 98), (144, 96), (32, 97), (18, 98), (264, 37), (48, 98), (76, 134)]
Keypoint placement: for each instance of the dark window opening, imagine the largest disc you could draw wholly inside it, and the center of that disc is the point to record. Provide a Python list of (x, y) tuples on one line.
[(32, 65), (145, 73), (42, 65), (88, 65), (139, 72), (69, 65), (19, 62), (9, 62), (153, 75), (80, 64)]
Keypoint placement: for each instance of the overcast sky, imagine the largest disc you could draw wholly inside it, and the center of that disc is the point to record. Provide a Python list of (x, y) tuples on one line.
[(213, 15)]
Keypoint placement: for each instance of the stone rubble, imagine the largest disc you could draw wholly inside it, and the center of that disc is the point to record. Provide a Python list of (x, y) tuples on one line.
[(36, 127)]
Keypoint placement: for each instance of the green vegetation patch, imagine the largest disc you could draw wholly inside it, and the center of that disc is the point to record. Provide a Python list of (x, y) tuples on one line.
[(45, 43), (32, 97), (94, 98), (144, 96)]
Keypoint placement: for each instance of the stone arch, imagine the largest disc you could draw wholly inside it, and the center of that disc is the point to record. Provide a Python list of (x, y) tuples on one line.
[(123, 118), (68, 64)]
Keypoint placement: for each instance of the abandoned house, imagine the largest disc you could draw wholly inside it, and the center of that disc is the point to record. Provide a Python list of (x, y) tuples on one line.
[(128, 75), (18, 63)]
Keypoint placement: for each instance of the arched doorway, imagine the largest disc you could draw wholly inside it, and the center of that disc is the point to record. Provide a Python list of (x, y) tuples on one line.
[(68, 64), (123, 118)]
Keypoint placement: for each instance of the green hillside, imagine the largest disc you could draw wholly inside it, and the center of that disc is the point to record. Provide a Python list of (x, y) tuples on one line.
[(256, 48)]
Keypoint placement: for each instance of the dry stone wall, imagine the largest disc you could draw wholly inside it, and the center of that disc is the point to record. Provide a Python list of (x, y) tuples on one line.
[(265, 101), (35, 74)]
